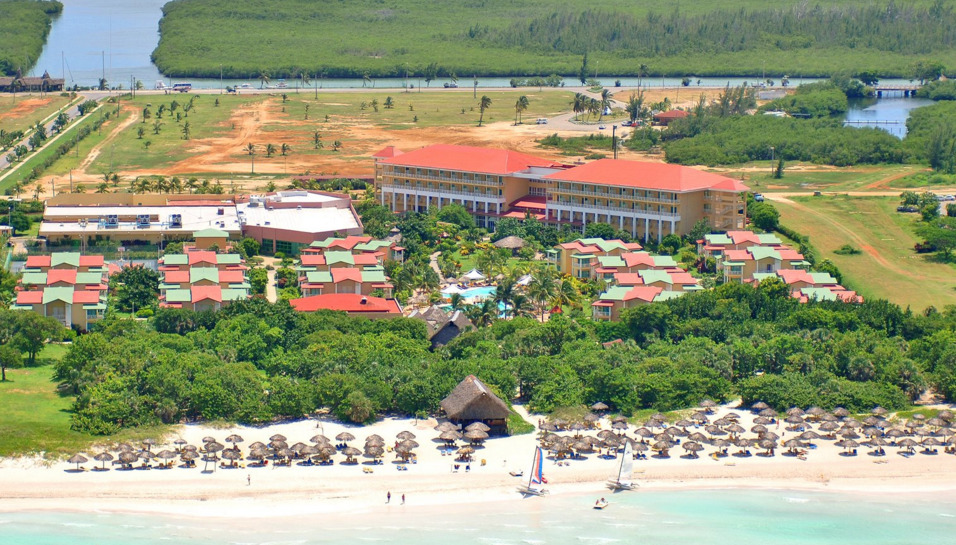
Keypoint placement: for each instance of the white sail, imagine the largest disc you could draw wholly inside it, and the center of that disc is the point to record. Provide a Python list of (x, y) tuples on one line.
[(627, 464)]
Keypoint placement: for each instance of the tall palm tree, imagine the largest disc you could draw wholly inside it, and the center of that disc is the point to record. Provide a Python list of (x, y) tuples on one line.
[(482, 106), (456, 301), (641, 74), (520, 105), (483, 314), (578, 104), (543, 288), (263, 79), (192, 184), (605, 101), (566, 296)]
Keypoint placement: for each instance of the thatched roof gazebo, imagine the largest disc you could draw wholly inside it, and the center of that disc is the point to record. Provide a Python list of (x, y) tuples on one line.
[(472, 401), (512, 243)]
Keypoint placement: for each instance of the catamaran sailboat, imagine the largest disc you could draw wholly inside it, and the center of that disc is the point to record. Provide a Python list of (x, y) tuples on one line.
[(623, 480), (536, 479)]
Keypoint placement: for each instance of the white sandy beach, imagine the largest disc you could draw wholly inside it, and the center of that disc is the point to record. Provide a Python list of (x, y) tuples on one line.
[(33, 484)]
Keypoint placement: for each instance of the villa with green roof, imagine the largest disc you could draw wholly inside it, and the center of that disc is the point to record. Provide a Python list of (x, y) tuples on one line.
[(383, 250), (741, 265), (715, 244), (202, 280), (67, 286), (807, 285), (610, 265), (367, 281), (579, 258), (612, 302)]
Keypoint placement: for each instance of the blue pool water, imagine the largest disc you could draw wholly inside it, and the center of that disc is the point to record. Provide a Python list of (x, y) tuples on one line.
[(479, 293), (738, 517)]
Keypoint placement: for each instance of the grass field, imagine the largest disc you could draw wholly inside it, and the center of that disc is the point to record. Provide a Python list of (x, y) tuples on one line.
[(36, 418), (24, 111), (811, 177), (888, 268), (537, 37)]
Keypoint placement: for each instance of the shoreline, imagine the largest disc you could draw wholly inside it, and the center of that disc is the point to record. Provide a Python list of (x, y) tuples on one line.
[(431, 485)]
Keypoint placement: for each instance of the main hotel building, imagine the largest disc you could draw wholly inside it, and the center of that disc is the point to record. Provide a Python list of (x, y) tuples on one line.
[(648, 200)]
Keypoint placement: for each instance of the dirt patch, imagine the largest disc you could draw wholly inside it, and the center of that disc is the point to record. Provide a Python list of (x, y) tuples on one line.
[(25, 107)]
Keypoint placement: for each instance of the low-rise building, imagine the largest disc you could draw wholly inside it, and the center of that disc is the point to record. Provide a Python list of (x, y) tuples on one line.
[(647, 200), (579, 258), (383, 250), (368, 281), (632, 262), (612, 302), (202, 280), (350, 303), (741, 265), (830, 293), (67, 286), (809, 285), (715, 244), (667, 280)]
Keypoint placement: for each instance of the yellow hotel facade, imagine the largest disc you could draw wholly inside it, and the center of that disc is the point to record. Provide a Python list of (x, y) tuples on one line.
[(648, 200)]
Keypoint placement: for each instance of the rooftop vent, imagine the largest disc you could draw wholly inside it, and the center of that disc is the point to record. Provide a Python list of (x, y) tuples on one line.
[(364, 300)]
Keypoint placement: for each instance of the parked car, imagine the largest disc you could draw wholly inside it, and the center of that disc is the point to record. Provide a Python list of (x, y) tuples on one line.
[(758, 197), (451, 85), (542, 121), (909, 209)]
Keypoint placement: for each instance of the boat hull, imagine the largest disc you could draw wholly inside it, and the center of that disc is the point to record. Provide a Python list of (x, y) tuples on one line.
[(528, 491), (617, 485)]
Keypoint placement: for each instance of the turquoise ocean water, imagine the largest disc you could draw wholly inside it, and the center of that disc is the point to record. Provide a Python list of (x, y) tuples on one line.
[(738, 517)]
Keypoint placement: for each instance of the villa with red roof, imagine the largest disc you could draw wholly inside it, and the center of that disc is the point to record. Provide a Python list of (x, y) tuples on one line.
[(351, 303), (579, 258), (715, 244), (667, 280), (383, 250), (647, 200), (741, 265), (613, 301), (67, 286), (202, 280), (808, 285)]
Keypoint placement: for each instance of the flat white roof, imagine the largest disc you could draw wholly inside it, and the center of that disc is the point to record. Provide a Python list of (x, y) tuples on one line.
[(308, 220), (300, 197), (194, 218)]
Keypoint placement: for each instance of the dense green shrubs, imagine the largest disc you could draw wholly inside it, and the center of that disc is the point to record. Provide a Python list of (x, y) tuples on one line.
[(739, 139), (938, 90), (827, 102), (24, 25)]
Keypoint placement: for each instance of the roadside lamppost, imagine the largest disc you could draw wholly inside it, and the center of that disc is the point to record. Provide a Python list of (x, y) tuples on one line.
[(771, 159)]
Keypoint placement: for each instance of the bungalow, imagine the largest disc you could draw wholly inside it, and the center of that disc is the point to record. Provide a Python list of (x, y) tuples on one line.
[(668, 280), (715, 244), (664, 118), (613, 301), (831, 293), (442, 326), (352, 304), (578, 258), (67, 286), (382, 249), (365, 281), (806, 285), (329, 260), (202, 280), (610, 265), (741, 265)]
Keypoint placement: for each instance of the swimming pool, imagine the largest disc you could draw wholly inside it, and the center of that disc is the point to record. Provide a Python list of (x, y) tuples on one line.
[(480, 293)]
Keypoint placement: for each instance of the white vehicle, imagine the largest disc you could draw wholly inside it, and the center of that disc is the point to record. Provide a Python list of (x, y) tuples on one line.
[(244, 86), (542, 121), (160, 85)]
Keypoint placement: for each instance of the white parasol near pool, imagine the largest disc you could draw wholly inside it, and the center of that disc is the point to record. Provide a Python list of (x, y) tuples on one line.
[(474, 275)]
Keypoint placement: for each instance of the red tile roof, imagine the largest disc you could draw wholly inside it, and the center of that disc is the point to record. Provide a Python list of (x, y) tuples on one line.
[(202, 256), (177, 277), (231, 277), (37, 261), (86, 297), (644, 293), (634, 259), (312, 260), (645, 175), (671, 114), (468, 159), (341, 274), (536, 202), (347, 302), (60, 275), (628, 279), (348, 243), (388, 152), (91, 261), (30, 297), (201, 293)]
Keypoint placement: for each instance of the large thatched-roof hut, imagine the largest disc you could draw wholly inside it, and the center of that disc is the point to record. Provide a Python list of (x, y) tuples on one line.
[(472, 401)]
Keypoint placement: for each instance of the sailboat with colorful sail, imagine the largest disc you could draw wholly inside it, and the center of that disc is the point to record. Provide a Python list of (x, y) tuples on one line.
[(536, 480), (623, 479)]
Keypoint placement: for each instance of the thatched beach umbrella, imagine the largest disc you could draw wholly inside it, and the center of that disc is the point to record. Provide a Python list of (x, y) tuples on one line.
[(620, 426), (792, 445), (403, 435), (795, 411), (762, 421), (840, 412), (186, 456), (409, 444), (320, 440), (879, 411), (599, 406), (759, 428), (768, 412), (124, 447), (278, 437), (257, 455), (894, 433), (698, 437), (278, 445), (234, 438), (213, 447), (848, 444), (692, 447), (700, 417), (128, 458), (906, 443), (166, 454), (708, 405), (446, 426), (829, 426), (476, 436), (374, 452), (103, 457), (208, 439), (345, 437), (946, 415), (231, 454), (77, 459), (759, 406), (449, 436), (257, 445), (815, 412), (849, 433), (643, 432)]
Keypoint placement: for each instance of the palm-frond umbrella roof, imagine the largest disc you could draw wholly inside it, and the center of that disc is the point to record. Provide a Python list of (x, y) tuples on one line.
[(735, 428), (166, 454), (930, 442), (795, 411), (894, 432), (234, 438), (698, 437), (793, 443), (906, 442), (591, 417), (185, 456), (449, 436), (919, 416), (769, 435), (476, 435), (829, 417), (374, 437), (768, 412), (214, 447), (794, 419), (619, 426), (128, 457), (659, 417), (815, 411), (286, 452), (257, 445), (829, 426), (345, 437), (759, 406), (124, 447), (708, 404), (684, 423), (192, 448), (351, 451), (308, 450), (840, 412), (744, 442), (678, 432), (721, 443), (767, 443), (661, 445), (208, 439), (278, 445), (936, 421), (699, 416), (872, 421), (762, 420), (643, 432), (946, 415), (374, 451), (692, 446), (316, 439), (732, 416), (599, 406), (724, 421), (297, 447), (872, 431), (604, 434), (278, 437), (849, 433), (809, 435), (876, 442), (639, 447), (847, 443), (77, 459), (180, 441), (879, 411), (403, 435), (446, 426), (759, 428), (103, 457), (256, 454), (372, 442), (852, 423), (409, 444)]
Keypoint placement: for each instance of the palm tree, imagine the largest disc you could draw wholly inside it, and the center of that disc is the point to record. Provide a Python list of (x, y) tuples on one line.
[(482, 106), (520, 105), (186, 130), (641, 73), (521, 306), (192, 184), (251, 148), (103, 188), (270, 150), (366, 78), (336, 145), (605, 101), (578, 104), (286, 148), (506, 292), (456, 301), (543, 287), (567, 295), (263, 79), (483, 314)]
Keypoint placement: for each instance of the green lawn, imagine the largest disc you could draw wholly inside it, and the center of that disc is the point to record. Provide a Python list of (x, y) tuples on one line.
[(24, 111), (817, 178), (888, 268), (36, 418)]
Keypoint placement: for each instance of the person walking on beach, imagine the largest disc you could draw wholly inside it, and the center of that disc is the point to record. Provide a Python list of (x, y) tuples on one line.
[(248, 480), (403, 499), (388, 497)]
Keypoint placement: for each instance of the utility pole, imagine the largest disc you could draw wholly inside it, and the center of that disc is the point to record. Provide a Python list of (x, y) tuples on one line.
[(614, 139), (220, 78)]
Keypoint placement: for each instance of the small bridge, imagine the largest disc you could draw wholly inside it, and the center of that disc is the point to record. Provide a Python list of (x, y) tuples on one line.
[(905, 90)]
